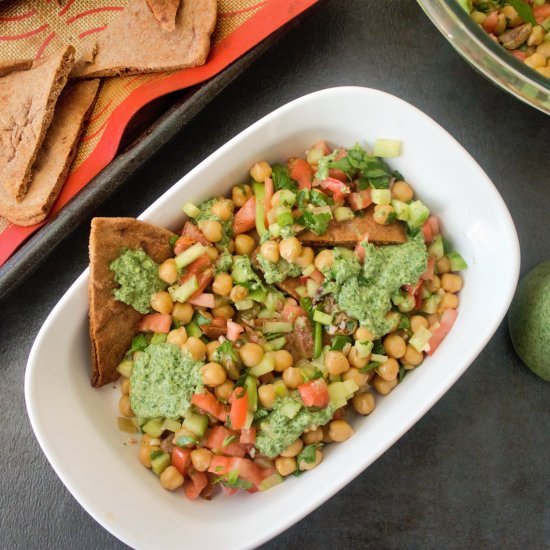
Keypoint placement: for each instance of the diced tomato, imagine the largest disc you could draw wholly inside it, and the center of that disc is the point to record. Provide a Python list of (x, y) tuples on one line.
[(224, 465), (239, 408), (183, 243), (302, 172), (519, 54), (194, 233), (413, 289), (208, 403), (418, 295), (181, 458), (428, 275), (248, 436), (216, 438), (445, 324), (491, 22), (314, 393), (541, 13), (291, 313), (427, 232), (342, 152), (203, 300), (337, 174), (192, 487), (360, 200), (268, 193), (203, 270), (245, 218), (156, 322), (322, 145), (233, 330), (317, 276), (338, 188), (359, 251), (228, 490), (433, 222)]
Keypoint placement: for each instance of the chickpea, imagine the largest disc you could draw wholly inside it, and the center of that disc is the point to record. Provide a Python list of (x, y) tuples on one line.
[(178, 336), (336, 362), (326, 435), (145, 454), (412, 356), (536, 37), (383, 387), (306, 257), (355, 360), (285, 465), (535, 61), (292, 377), (340, 430), (313, 436), (212, 253), (449, 301), (231, 246), (362, 334), (225, 311), (183, 313), (213, 374), (324, 260), (433, 285), (260, 171), (545, 71), (201, 459), (395, 345), (162, 302), (408, 304), (211, 347), (195, 347), (443, 265), (433, 318), (124, 406), (238, 293), (168, 271), (402, 191), (303, 466), (244, 245), (125, 386), (512, 18), (451, 282), (418, 321), (283, 360), (223, 209), (270, 251), (222, 285), (500, 26), (363, 403), (146, 440), (211, 229), (223, 391), (290, 249), (293, 449), (388, 370), (544, 49), (360, 378), (240, 194), (267, 395), (171, 478), (251, 354), (384, 214)]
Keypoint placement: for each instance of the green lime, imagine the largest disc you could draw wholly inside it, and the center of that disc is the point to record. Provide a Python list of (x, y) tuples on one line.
[(529, 320)]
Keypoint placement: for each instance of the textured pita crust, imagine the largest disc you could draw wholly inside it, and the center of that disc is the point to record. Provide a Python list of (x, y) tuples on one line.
[(165, 12), (113, 324), (28, 100), (135, 43), (350, 232), (54, 159), (7, 67)]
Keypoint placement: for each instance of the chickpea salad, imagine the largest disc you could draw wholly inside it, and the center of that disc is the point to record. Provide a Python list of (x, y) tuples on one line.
[(520, 26), (282, 311)]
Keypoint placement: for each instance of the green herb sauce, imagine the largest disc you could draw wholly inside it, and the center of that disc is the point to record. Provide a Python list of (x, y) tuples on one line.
[(277, 272)]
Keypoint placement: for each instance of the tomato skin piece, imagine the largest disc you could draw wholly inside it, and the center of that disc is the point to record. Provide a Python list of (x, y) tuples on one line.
[(156, 322), (427, 233), (191, 231), (248, 436), (208, 403), (314, 393), (182, 244), (541, 13), (245, 218), (428, 275), (360, 200), (445, 324), (228, 490), (519, 54), (302, 172), (239, 408), (202, 300), (490, 22), (433, 222), (216, 437), (181, 459), (224, 465), (233, 330), (317, 276), (291, 313), (193, 486), (339, 189)]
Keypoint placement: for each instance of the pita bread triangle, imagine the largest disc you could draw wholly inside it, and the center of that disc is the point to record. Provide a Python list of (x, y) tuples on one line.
[(165, 12)]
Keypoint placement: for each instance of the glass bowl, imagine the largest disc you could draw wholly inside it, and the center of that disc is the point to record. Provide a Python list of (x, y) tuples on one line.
[(489, 58)]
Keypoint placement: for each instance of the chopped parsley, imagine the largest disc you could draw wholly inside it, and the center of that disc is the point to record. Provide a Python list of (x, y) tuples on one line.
[(282, 180)]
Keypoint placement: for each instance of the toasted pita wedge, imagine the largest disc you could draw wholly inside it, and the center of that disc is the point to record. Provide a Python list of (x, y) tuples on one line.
[(113, 324), (27, 100), (7, 67), (350, 232), (54, 159), (165, 12), (135, 43)]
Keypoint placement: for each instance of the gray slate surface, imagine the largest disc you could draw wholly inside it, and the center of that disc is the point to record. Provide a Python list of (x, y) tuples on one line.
[(473, 473)]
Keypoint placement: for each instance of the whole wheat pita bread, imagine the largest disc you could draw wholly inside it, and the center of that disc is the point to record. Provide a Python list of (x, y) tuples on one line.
[(28, 100), (165, 12), (54, 159), (350, 232), (135, 43), (7, 67), (113, 324)]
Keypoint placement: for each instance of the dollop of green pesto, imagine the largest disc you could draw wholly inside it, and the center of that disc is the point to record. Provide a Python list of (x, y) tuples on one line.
[(164, 379), (224, 262), (278, 431), (277, 272), (137, 275)]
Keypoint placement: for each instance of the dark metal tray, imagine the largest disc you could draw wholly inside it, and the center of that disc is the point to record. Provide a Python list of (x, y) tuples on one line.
[(145, 134)]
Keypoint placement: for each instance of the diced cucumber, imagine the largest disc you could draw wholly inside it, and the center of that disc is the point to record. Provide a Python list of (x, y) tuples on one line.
[(277, 326), (267, 364), (243, 305), (301, 291), (378, 358), (196, 423), (436, 248), (182, 292), (193, 329), (287, 197), (363, 348), (126, 425), (312, 287), (160, 462), (343, 213), (191, 210), (430, 305), (419, 340), (276, 344), (171, 425), (291, 409), (418, 214), (457, 261), (280, 389), (259, 192), (350, 386), (249, 420), (258, 295), (252, 392), (265, 314), (380, 196), (284, 219), (323, 318), (239, 274), (402, 210), (387, 148), (159, 338), (274, 479), (190, 255), (153, 427), (273, 300), (125, 368), (338, 394)]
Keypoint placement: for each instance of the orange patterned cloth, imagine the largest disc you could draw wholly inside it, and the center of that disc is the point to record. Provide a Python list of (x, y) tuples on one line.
[(34, 28)]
